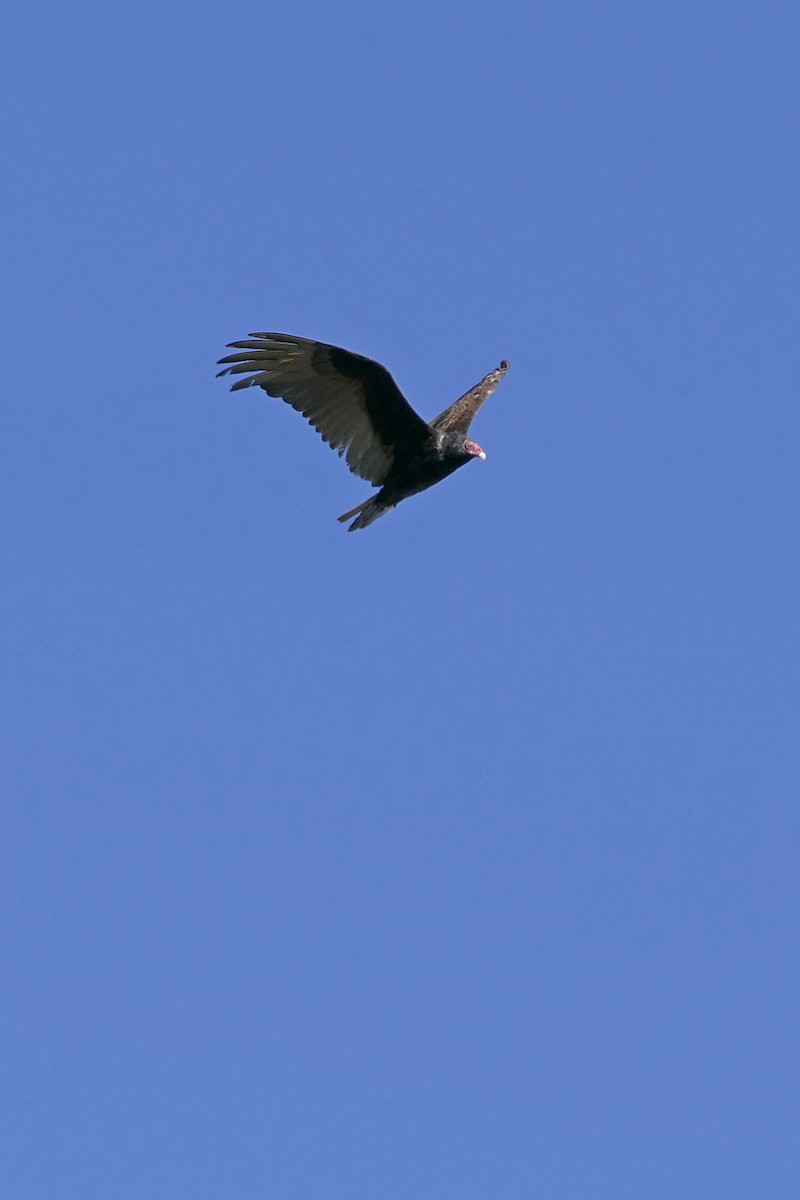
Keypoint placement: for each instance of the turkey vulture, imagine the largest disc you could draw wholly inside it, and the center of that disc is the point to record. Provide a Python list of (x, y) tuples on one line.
[(359, 410)]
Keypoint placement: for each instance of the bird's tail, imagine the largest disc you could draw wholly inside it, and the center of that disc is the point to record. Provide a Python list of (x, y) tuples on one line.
[(367, 512)]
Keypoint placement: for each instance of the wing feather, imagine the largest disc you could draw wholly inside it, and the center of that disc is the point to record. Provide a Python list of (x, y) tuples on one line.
[(459, 416), (352, 401)]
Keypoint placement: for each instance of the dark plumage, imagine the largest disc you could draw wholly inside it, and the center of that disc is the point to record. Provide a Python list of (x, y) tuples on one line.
[(359, 410)]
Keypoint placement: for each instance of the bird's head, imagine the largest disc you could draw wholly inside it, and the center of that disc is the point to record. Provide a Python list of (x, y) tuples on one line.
[(473, 450)]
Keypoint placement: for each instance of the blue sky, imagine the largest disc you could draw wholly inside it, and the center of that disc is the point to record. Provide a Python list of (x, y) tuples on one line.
[(457, 858)]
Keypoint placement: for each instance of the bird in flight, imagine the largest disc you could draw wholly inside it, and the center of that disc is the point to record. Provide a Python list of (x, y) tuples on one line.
[(360, 412)]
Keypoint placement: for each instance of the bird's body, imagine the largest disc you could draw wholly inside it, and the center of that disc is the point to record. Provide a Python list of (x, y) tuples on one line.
[(436, 458), (359, 410)]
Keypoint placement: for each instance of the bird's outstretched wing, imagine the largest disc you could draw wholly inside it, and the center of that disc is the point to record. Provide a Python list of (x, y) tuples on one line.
[(350, 400), (459, 416)]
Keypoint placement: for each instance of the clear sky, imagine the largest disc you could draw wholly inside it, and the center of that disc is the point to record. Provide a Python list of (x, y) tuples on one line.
[(458, 858)]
